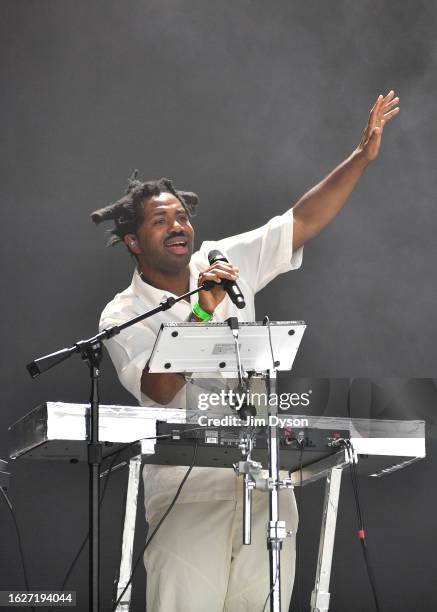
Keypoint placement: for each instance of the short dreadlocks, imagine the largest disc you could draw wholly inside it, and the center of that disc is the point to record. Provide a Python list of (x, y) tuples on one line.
[(128, 211)]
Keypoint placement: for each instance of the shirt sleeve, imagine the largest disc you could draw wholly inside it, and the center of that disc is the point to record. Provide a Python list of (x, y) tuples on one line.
[(263, 253), (129, 350)]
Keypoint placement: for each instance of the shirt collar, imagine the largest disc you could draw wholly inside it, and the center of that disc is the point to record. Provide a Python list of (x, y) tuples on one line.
[(153, 296)]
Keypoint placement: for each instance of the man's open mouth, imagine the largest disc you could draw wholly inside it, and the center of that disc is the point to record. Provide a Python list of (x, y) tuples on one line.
[(179, 246)]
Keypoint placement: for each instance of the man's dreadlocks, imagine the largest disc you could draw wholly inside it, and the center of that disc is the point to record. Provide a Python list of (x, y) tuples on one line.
[(128, 211)]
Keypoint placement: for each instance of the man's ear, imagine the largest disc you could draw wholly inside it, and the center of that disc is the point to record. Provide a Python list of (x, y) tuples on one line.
[(131, 242)]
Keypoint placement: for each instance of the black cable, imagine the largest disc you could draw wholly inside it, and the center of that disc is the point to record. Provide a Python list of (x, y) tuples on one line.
[(354, 481), (298, 558), (301, 444), (361, 529), (111, 465), (102, 495), (114, 455), (20, 546), (166, 513), (266, 321), (271, 590), (82, 546)]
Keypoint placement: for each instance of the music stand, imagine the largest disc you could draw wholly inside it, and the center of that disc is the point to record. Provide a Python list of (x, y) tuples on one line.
[(255, 348)]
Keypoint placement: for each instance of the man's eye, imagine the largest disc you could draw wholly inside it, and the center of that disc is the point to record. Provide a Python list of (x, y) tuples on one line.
[(159, 222)]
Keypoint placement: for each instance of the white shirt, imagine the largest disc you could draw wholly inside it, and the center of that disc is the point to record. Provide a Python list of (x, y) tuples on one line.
[(261, 255)]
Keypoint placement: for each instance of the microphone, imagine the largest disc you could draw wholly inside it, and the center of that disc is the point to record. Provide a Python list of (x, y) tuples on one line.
[(231, 287)]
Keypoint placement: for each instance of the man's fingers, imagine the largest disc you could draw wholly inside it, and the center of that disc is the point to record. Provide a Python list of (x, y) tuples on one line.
[(377, 104), (389, 96), (391, 114), (384, 109), (384, 101), (222, 266), (226, 274), (219, 271), (209, 276), (391, 103), (217, 275), (388, 109), (375, 112)]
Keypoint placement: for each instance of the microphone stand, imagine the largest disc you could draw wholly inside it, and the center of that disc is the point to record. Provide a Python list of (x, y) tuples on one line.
[(90, 351)]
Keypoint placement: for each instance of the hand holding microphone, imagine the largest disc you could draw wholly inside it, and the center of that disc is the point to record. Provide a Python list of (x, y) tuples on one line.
[(224, 276)]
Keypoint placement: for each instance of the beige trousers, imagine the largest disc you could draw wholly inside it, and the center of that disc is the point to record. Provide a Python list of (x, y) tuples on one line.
[(197, 562)]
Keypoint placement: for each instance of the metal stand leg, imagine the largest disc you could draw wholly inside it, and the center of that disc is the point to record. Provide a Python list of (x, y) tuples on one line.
[(247, 511), (320, 595), (128, 533), (276, 531)]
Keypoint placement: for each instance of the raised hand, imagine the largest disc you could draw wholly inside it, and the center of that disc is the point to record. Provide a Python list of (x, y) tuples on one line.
[(384, 109)]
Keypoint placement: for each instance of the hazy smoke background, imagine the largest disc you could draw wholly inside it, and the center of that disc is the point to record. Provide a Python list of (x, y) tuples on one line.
[(249, 104)]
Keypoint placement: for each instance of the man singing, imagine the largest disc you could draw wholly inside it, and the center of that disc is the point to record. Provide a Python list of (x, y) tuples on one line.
[(197, 561)]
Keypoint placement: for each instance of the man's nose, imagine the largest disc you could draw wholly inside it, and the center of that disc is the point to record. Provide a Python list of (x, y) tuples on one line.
[(176, 226)]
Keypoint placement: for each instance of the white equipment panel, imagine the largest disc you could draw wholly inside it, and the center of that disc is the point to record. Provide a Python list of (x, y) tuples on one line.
[(212, 347)]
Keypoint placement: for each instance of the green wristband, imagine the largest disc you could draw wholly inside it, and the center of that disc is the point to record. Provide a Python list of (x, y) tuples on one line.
[(202, 314)]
